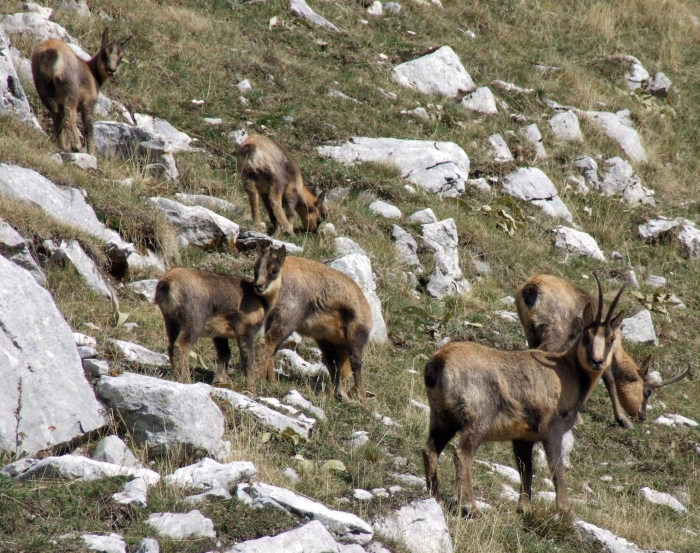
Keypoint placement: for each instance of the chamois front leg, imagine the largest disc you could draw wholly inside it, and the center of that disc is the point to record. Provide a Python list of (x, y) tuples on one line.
[(253, 199), (609, 382), (523, 460), (223, 356), (553, 450), (247, 350), (88, 128), (281, 221), (440, 434), (357, 338)]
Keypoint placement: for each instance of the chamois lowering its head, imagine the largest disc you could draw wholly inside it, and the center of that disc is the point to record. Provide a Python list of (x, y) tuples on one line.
[(520, 396), (198, 303), (550, 310), (320, 303), (269, 171), (68, 85)]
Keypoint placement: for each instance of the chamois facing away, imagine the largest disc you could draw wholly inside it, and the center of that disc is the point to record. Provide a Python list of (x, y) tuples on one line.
[(321, 303), (269, 171), (196, 303), (550, 309), (68, 85), (520, 396)]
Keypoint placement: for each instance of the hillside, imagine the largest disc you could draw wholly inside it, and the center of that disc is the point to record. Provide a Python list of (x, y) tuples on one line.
[(619, 153)]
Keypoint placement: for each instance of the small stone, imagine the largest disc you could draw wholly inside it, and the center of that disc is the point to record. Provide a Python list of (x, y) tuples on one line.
[(148, 545), (292, 475), (111, 543), (423, 216), (182, 525), (659, 85), (480, 101), (375, 9), (362, 495), (87, 352), (392, 8), (213, 121), (565, 126), (244, 86), (578, 243), (409, 480), (616, 256), (408, 188), (134, 493), (386, 94), (84, 161), (96, 367), (385, 210), (327, 229), (639, 329), (655, 281), (113, 450), (358, 439), (661, 498), (213, 494), (395, 489), (533, 136), (499, 150)]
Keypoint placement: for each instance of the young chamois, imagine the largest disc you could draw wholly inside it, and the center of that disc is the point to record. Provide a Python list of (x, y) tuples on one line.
[(550, 309), (320, 303), (520, 396), (196, 303), (269, 171), (68, 85)]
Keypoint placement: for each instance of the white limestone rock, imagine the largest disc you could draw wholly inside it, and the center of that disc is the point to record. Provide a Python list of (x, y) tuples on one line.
[(423, 217), (249, 239), (210, 202), (532, 185), (656, 228), (346, 527), (609, 541), (659, 85), (420, 526), (299, 8), (148, 545), (84, 161), (15, 248), (140, 355), (310, 538), (385, 210), (269, 418), (498, 149), (621, 179), (689, 237), (178, 141), (134, 492), (179, 526), (36, 8), (655, 281), (213, 494), (96, 367), (446, 279), (72, 252), (362, 495), (292, 475), (639, 328), (376, 9), (409, 480), (357, 439), (207, 473), (166, 416), (112, 449), (392, 8), (292, 361), (76, 467), (565, 126), (111, 543), (144, 289), (439, 167), (661, 498), (440, 72), (38, 356), (199, 226), (13, 100), (347, 246), (533, 136), (576, 242), (297, 400), (481, 100), (359, 268), (617, 127), (406, 248)]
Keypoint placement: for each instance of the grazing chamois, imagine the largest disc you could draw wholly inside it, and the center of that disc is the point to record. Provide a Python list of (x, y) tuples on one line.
[(550, 309), (269, 171), (321, 303), (68, 85), (196, 303), (520, 396)]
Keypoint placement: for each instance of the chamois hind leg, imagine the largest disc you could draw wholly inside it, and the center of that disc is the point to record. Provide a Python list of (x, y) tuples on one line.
[(609, 382), (553, 450), (464, 457), (253, 197), (246, 349), (441, 432), (523, 460), (331, 356), (357, 337), (180, 357), (86, 113), (223, 356)]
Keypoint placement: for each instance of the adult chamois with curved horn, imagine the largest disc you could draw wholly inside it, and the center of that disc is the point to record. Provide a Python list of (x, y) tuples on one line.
[(519, 396), (550, 309)]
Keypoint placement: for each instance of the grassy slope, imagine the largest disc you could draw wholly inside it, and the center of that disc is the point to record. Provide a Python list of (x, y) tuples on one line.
[(197, 49)]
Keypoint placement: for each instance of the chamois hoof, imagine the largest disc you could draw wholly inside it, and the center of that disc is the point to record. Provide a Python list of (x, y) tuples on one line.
[(624, 422)]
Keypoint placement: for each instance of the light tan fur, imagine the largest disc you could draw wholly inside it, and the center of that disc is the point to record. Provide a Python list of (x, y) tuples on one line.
[(320, 303), (269, 172), (550, 309), (519, 396), (68, 86)]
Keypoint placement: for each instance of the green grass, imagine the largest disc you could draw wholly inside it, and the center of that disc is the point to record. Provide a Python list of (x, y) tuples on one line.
[(200, 49)]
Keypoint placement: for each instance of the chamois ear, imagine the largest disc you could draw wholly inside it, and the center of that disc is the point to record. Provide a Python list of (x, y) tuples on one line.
[(280, 254), (320, 199), (105, 37), (617, 321), (646, 364), (587, 317)]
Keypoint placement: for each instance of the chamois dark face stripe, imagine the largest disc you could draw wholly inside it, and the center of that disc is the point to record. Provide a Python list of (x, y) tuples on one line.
[(613, 305), (599, 315)]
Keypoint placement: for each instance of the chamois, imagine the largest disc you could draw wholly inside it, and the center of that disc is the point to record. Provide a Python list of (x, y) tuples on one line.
[(321, 303), (68, 85), (196, 303), (520, 396), (550, 309), (269, 171)]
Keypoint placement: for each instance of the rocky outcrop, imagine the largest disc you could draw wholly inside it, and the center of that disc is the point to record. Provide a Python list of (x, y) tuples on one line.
[(13, 100), (166, 416), (434, 166), (446, 279), (37, 354), (210, 202), (71, 251), (440, 72), (15, 248)]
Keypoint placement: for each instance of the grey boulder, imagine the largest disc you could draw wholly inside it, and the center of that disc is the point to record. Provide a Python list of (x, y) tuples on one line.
[(481, 100), (439, 167), (140, 355), (533, 135), (210, 202), (406, 247), (113, 450), (440, 72), (164, 415), (38, 356), (16, 249), (301, 9), (111, 543), (446, 279), (565, 126), (420, 526), (639, 328), (144, 289), (576, 242), (148, 545), (532, 185), (72, 252), (178, 141), (207, 473), (498, 149), (134, 492), (13, 100), (179, 526), (618, 127), (310, 538), (621, 180)]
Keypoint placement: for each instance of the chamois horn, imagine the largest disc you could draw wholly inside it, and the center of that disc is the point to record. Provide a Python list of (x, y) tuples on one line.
[(613, 305), (679, 376), (599, 315)]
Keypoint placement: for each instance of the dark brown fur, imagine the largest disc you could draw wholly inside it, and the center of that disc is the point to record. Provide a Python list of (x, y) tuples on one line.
[(269, 171), (198, 303), (68, 85), (323, 304), (550, 309), (520, 396)]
